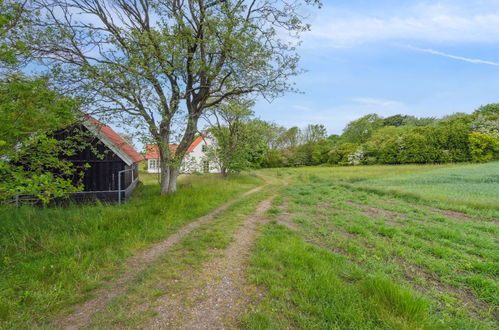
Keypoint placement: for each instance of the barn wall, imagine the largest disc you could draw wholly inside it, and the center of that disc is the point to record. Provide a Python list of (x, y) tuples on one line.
[(104, 164)]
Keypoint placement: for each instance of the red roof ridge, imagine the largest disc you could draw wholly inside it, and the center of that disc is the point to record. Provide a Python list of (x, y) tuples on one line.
[(152, 151), (116, 139)]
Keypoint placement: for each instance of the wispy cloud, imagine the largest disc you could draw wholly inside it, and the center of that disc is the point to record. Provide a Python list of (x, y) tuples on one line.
[(377, 102), (301, 107), (432, 23), (461, 58)]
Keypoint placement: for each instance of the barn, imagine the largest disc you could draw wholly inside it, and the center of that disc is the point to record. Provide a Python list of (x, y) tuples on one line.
[(112, 171)]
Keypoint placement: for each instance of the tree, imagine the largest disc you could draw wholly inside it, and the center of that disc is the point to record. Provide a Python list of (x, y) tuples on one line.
[(313, 133), (238, 138), (358, 131), (484, 147), (31, 161), (12, 16), (161, 64)]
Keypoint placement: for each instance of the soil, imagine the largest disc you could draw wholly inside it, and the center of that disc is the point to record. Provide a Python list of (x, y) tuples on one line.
[(220, 293)]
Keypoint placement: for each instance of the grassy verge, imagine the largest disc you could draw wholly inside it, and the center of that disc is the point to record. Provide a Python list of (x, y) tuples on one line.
[(54, 257)]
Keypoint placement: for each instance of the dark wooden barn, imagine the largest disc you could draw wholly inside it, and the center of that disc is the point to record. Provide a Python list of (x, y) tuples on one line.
[(112, 171)]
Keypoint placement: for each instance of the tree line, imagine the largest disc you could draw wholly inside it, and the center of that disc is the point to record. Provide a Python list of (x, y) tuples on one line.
[(371, 139)]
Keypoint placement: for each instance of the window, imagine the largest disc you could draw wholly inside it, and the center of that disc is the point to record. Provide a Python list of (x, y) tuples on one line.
[(204, 148), (206, 166), (153, 164)]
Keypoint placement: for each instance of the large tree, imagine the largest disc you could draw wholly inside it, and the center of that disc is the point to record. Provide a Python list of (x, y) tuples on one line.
[(161, 64)]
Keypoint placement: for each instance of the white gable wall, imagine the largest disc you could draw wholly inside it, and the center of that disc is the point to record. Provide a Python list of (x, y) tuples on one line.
[(195, 160)]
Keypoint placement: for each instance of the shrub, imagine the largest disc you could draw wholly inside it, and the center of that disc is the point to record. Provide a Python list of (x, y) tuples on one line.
[(483, 147)]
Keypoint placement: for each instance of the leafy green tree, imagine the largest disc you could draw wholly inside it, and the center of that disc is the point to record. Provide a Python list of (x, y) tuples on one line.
[(488, 109), (161, 65), (398, 120), (31, 161), (340, 153), (384, 146), (358, 131), (484, 147), (240, 144), (13, 16), (313, 133)]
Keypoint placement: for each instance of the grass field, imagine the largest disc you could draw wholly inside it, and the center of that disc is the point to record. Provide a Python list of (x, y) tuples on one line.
[(368, 247), (365, 258), (52, 258)]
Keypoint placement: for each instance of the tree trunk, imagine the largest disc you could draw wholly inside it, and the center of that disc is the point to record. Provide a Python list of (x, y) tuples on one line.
[(172, 183), (165, 177), (223, 172)]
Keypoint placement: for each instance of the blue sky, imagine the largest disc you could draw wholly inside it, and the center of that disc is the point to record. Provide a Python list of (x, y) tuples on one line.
[(423, 58)]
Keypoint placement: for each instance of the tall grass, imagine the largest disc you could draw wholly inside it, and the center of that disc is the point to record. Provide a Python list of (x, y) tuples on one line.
[(51, 258)]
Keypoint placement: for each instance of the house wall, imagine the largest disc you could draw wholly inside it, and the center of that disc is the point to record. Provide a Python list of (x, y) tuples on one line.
[(194, 161), (150, 168)]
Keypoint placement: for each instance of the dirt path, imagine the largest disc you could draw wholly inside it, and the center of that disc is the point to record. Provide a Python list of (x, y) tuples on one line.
[(219, 293), (83, 313)]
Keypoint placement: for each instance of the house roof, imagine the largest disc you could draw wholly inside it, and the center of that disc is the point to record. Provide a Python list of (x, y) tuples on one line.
[(113, 141), (152, 151)]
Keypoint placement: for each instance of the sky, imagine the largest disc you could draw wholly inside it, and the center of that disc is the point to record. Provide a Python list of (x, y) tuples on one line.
[(421, 58)]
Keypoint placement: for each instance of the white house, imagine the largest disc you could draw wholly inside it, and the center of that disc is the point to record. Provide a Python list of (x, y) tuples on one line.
[(195, 160)]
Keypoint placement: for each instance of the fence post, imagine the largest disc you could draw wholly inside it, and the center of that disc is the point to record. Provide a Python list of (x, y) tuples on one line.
[(17, 201), (119, 187)]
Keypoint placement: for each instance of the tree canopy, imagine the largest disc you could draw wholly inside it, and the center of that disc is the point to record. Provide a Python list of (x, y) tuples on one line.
[(161, 64)]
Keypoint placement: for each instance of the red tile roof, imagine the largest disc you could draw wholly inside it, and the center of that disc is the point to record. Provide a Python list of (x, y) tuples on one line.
[(117, 140), (152, 151)]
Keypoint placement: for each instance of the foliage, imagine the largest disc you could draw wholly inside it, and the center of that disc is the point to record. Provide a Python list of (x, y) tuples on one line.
[(341, 153), (31, 162), (160, 65), (358, 131), (400, 139), (484, 147), (13, 17), (240, 142)]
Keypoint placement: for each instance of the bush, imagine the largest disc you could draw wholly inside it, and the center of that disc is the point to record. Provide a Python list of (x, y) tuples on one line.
[(340, 154), (483, 147)]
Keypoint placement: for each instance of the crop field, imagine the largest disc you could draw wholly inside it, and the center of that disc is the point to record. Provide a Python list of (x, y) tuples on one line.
[(354, 256)]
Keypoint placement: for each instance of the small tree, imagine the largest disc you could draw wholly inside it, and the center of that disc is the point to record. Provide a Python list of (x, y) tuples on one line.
[(239, 139)]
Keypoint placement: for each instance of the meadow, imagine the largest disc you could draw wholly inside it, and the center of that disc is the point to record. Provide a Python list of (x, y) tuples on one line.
[(52, 258)]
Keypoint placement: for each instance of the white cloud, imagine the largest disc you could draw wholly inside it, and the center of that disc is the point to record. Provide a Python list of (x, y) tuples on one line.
[(377, 102), (431, 23), (301, 107), (461, 58)]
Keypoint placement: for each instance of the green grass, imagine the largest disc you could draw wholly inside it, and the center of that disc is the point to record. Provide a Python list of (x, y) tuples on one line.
[(172, 272), (54, 257), (473, 185), (365, 257)]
